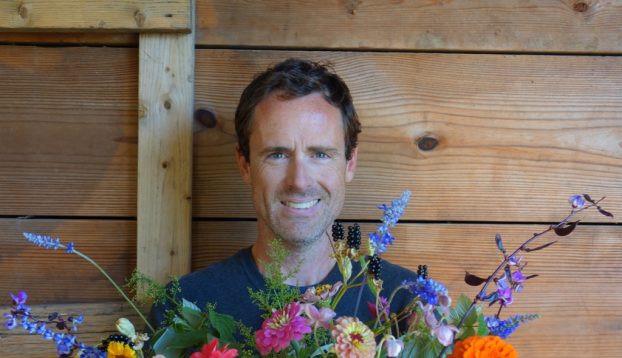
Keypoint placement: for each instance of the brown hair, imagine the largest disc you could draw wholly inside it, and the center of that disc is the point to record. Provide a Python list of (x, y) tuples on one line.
[(295, 78)]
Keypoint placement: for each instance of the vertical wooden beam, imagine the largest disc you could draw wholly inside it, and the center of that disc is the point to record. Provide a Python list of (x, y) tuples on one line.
[(166, 100)]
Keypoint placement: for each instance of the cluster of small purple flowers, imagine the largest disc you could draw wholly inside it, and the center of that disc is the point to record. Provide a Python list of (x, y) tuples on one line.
[(391, 214), (426, 289), (503, 328), (48, 242), (66, 343)]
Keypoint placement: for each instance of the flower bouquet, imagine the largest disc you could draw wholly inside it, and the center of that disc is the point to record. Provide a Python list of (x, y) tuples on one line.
[(306, 324)]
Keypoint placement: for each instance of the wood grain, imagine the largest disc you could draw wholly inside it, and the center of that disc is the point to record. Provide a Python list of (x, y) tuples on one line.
[(99, 322), (91, 16), (68, 130), (517, 134), (576, 294), (54, 276), (166, 98), (82, 38), (460, 25), (579, 26)]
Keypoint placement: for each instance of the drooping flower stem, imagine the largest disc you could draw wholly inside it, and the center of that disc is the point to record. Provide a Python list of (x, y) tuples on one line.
[(119, 289), (48, 242), (524, 247)]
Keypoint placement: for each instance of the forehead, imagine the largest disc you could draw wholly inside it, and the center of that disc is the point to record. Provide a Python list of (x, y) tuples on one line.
[(311, 115)]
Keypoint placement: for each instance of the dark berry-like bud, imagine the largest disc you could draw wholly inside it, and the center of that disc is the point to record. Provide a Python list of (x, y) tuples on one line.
[(337, 231), (422, 271), (373, 267), (354, 236)]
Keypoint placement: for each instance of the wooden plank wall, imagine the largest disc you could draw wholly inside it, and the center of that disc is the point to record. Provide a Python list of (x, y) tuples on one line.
[(523, 98)]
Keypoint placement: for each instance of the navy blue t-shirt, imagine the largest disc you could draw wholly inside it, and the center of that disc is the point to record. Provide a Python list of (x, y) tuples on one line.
[(226, 284)]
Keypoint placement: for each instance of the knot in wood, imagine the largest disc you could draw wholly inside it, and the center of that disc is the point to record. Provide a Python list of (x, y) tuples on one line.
[(580, 6), (427, 143), (22, 10), (139, 18), (206, 117)]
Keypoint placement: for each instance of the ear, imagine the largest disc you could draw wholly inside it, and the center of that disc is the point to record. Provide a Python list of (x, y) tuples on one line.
[(351, 165), (243, 165)]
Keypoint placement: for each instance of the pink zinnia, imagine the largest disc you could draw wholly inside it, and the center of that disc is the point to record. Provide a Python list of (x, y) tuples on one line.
[(278, 331)]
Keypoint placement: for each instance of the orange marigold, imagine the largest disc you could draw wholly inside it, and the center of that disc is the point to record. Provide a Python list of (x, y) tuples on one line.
[(483, 347)]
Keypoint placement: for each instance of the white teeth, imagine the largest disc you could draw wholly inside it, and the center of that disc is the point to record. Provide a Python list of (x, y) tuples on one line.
[(305, 205)]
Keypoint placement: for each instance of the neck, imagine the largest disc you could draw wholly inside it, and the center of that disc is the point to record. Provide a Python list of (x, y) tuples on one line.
[(311, 263)]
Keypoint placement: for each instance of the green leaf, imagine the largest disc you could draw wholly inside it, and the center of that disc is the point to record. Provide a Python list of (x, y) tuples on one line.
[(163, 341), (460, 309), (189, 339), (422, 346), (191, 313), (482, 328), (224, 324)]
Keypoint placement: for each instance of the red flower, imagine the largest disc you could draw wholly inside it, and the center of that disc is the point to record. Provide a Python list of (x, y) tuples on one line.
[(210, 350)]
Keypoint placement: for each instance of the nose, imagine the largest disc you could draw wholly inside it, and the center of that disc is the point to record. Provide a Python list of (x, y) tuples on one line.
[(298, 174)]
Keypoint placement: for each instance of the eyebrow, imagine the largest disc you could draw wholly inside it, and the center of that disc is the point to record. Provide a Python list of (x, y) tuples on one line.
[(316, 148)]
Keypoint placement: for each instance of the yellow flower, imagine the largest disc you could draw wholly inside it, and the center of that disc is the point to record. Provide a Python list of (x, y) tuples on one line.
[(120, 350)]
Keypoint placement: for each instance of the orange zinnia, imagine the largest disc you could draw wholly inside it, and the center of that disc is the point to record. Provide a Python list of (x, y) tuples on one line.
[(483, 347)]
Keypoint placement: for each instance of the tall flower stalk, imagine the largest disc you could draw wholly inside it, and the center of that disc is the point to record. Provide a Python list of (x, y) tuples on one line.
[(48, 242), (503, 295)]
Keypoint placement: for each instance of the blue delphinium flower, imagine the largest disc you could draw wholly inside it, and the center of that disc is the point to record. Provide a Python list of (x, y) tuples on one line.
[(390, 216), (504, 328), (426, 289)]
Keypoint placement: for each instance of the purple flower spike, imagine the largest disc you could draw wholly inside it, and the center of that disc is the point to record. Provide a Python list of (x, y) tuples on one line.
[(505, 296), (577, 201), (20, 298), (11, 321), (517, 276)]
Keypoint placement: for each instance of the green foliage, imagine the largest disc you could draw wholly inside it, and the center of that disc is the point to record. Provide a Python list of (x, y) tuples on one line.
[(148, 288), (473, 324), (422, 345), (190, 327), (277, 293)]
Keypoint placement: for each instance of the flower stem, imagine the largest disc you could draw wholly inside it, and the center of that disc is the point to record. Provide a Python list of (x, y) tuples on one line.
[(119, 289), (506, 259)]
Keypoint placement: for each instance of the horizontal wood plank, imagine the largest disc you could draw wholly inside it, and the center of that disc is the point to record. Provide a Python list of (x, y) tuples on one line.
[(99, 322), (576, 294), (50, 276), (463, 25), (76, 38), (516, 135), (68, 123), (91, 16)]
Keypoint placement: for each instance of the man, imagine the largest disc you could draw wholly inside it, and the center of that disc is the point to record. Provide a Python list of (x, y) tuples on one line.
[(297, 148)]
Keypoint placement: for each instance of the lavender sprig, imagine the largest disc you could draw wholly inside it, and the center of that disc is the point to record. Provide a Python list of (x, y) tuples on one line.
[(563, 228), (66, 342), (49, 242)]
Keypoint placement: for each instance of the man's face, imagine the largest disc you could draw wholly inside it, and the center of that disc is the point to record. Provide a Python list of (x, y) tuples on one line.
[(297, 168)]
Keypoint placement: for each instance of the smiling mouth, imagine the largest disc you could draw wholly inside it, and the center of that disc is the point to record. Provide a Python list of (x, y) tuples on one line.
[(304, 205)]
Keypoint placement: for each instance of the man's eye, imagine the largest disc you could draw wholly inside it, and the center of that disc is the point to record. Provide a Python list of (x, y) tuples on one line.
[(322, 155), (276, 155)]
